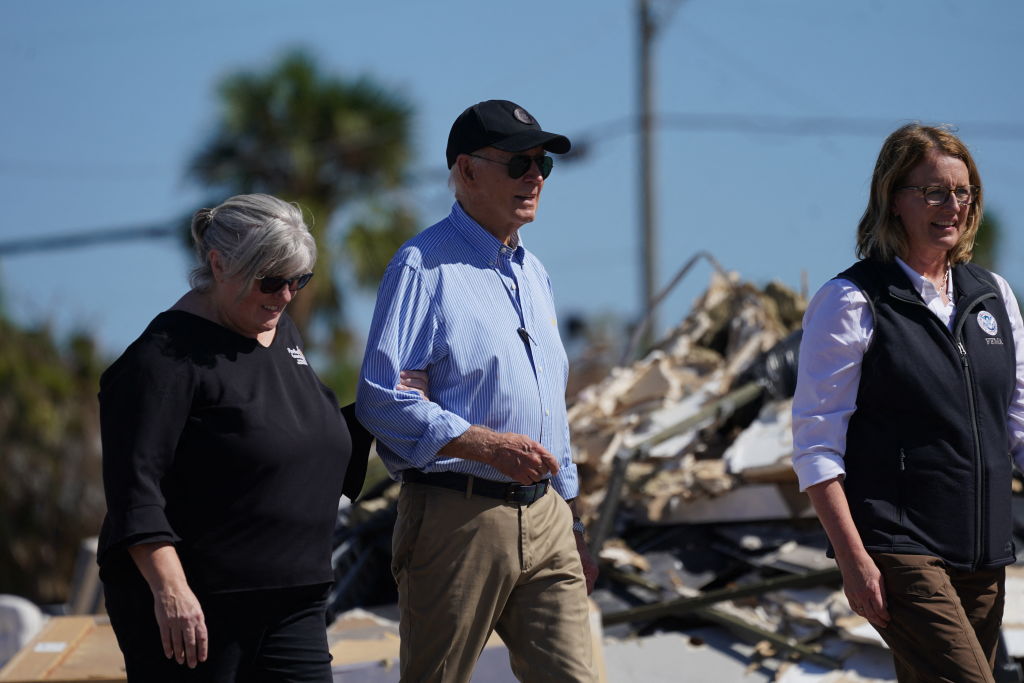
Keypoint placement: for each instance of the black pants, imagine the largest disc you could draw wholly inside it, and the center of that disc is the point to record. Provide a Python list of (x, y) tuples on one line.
[(264, 636)]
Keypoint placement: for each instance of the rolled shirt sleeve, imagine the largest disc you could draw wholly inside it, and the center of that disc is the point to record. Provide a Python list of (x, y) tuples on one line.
[(837, 331), (1015, 414), (404, 334), (145, 399)]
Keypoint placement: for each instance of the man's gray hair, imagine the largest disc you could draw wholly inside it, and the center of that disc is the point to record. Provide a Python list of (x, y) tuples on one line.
[(455, 179), (255, 234)]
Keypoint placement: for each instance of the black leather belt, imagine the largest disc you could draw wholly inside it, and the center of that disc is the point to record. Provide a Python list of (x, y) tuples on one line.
[(510, 493)]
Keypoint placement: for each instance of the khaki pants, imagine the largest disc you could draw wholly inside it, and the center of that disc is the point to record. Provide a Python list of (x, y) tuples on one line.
[(944, 623), (468, 566)]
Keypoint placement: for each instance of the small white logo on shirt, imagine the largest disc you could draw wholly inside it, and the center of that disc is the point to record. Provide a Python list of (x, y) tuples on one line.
[(296, 353), (987, 323)]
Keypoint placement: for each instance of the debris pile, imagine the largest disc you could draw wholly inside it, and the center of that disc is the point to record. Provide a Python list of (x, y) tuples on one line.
[(702, 422), (692, 503)]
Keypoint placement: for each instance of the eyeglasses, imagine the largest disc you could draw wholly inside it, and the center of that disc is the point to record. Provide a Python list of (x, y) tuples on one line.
[(272, 285), (936, 195), (519, 164)]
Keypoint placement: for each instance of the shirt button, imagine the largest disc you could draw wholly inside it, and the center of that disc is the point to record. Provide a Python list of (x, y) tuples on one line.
[(547, 412), (512, 286)]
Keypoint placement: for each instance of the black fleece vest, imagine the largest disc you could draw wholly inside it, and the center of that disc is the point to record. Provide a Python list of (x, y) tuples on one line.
[(928, 468)]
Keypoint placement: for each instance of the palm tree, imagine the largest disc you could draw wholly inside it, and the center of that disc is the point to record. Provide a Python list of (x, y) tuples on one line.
[(326, 143)]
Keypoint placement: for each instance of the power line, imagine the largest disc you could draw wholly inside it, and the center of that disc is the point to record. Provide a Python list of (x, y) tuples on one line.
[(798, 126), (807, 126), (825, 125), (88, 238)]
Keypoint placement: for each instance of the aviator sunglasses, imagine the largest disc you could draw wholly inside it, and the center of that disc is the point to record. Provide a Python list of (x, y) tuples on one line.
[(272, 285), (519, 164)]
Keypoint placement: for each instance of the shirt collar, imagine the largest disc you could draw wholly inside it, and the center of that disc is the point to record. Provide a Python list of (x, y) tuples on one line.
[(925, 287), (483, 242)]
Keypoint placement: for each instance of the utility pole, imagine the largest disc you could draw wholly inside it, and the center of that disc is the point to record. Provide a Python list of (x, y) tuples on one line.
[(645, 102)]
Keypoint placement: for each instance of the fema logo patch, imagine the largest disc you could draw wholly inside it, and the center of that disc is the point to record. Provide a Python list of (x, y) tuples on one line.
[(522, 116), (987, 323)]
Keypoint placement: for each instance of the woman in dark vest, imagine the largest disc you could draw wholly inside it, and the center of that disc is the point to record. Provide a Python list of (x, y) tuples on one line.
[(907, 410)]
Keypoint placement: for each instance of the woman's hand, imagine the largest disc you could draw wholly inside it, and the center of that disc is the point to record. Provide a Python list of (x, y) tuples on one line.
[(865, 589), (178, 612), (414, 380), (862, 580), (182, 625)]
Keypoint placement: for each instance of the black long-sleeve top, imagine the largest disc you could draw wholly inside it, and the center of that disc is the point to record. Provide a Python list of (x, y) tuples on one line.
[(232, 451)]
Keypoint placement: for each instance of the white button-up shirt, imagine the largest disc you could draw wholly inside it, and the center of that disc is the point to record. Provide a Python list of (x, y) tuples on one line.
[(837, 330)]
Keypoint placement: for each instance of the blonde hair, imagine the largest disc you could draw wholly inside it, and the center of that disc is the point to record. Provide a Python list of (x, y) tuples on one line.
[(255, 234), (880, 234)]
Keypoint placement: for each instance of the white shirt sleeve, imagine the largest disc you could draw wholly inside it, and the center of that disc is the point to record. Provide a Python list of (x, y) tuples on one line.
[(837, 330), (1015, 415)]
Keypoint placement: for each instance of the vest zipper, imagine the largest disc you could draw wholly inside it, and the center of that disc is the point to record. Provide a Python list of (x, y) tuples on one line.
[(979, 479), (902, 482)]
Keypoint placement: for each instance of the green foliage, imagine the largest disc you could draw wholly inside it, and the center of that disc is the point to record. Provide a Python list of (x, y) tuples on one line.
[(328, 143), (50, 493), (375, 239), (986, 242)]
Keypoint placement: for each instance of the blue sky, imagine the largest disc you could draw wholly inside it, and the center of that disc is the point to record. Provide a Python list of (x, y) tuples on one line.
[(106, 101)]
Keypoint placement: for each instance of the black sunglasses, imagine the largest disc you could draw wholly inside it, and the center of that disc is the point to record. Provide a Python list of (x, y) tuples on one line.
[(519, 164), (272, 285)]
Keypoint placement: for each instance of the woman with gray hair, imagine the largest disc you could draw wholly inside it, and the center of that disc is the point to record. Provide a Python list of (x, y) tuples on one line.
[(223, 461), (908, 406)]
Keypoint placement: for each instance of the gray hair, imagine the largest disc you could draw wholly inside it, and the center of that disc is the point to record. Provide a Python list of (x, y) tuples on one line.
[(455, 179), (255, 234)]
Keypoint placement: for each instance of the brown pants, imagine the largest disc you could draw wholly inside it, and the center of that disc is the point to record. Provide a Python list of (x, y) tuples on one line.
[(944, 623), (468, 566)]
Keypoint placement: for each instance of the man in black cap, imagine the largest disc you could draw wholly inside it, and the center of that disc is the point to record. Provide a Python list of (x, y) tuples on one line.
[(482, 543)]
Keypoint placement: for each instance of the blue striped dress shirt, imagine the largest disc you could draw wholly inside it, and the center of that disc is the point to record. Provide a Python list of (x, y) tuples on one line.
[(452, 302)]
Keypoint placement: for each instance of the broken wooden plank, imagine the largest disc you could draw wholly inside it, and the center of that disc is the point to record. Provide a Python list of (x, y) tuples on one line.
[(781, 642), (680, 606)]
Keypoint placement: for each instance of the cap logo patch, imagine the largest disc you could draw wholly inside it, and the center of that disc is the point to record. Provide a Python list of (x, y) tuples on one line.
[(987, 323), (522, 116)]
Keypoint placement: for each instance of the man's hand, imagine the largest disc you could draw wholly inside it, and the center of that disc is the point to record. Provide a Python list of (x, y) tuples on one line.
[(522, 458), (414, 380), (590, 570), (514, 455)]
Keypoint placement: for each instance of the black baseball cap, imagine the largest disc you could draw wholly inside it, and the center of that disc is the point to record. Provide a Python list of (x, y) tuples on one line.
[(503, 125)]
